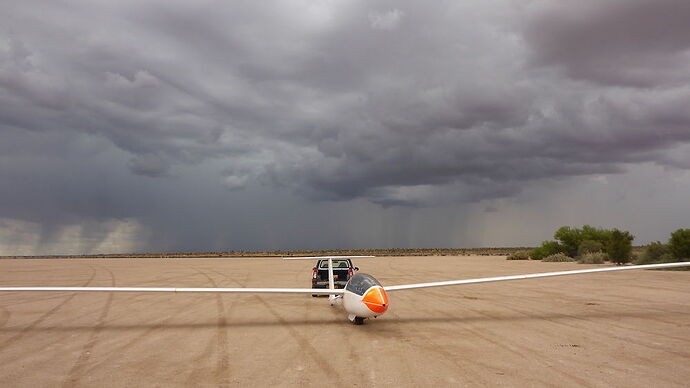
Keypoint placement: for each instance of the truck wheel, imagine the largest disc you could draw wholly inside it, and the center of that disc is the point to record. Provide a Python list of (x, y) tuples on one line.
[(314, 296), (358, 321)]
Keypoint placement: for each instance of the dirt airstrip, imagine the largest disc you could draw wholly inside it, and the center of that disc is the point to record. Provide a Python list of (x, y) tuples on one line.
[(623, 329)]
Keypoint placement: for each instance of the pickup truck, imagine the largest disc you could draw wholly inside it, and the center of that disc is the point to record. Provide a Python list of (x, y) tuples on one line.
[(342, 272)]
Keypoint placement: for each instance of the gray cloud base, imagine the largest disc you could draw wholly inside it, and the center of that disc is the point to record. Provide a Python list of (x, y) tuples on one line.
[(395, 103)]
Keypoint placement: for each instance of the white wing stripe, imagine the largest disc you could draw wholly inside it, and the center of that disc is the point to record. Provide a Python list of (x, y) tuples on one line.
[(531, 276), (325, 257), (167, 289)]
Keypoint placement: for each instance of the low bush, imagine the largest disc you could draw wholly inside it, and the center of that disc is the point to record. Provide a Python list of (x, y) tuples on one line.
[(589, 246), (558, 257), (679, 244), (547, 248), (593, 258), (655, 252), (519, 255), (537, 253)]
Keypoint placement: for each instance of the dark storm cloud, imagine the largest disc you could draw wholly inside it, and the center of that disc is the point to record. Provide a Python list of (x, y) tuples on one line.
[(398, 103), (629, 43)]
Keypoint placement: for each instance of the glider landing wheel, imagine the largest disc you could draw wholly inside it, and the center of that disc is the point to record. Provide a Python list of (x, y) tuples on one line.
[(358, 321)]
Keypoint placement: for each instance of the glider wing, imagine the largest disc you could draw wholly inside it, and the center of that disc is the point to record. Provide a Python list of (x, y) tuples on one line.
[(325, 257), (532, 276), (168, 289)]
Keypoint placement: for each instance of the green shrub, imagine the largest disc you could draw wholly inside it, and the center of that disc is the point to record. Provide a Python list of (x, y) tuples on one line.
[(589, 246), (668, 258), (619, 246), (537, 253), (654, 253), (596, 234), (571, 238), (634, 257), (519, 255), (547, 248), (558, 257), (679, 244), (593, 258), (588, 239)]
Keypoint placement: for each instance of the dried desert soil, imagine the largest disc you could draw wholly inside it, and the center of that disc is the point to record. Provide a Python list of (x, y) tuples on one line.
[(623, 329)]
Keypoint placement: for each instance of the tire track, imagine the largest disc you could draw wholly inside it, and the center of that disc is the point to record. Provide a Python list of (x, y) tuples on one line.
[(576, 318), (116, 352), (554, 321), (430, 344), (302, 342), (524, 352), (613, 299), (610, 334), (45, 316), (222, 373), (4, 316), (303, 380), (398, 340), (75, 374), (29, 352), (60, 295), (306, 346), (436, 347), (138, 284)]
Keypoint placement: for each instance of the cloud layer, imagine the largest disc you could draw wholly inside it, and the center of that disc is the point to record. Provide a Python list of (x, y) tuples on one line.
[(391, 103)]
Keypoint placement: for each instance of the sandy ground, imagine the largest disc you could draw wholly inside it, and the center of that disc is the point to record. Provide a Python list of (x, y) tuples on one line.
[(617, 329)]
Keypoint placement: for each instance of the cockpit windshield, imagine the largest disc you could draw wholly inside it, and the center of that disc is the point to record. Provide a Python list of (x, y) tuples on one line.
[(360, 283)]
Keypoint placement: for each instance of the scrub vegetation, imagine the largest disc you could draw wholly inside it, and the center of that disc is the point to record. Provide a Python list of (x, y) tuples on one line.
[(587, 245), (593, 258), (677, 249), (558, 257), (519, 255), (591, 245)]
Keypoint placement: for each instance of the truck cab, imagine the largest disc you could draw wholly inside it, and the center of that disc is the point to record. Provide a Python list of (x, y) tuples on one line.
[(343, 270)]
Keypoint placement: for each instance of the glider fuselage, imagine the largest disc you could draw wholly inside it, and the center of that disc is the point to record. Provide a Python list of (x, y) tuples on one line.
[(364, 297)]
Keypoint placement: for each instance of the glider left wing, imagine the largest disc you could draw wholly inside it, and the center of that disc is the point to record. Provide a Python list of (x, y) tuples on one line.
[(313, 291), (168, 289)]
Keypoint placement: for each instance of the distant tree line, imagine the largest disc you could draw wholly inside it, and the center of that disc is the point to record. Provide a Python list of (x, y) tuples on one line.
[(593, 245)]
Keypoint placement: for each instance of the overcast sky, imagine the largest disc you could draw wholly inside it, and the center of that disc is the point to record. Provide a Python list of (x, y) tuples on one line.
[(140, 126)]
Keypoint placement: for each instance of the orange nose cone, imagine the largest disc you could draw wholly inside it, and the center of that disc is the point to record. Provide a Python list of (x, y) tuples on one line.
[(376, 300)]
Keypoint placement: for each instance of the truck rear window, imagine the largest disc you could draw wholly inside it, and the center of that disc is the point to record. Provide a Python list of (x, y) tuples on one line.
[(336, 264)]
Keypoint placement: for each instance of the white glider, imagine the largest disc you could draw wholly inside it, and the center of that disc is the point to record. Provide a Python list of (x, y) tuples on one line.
[(363, 296)]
